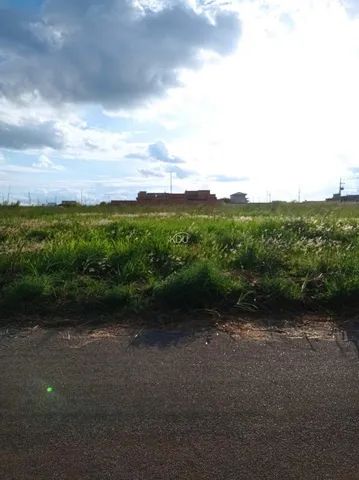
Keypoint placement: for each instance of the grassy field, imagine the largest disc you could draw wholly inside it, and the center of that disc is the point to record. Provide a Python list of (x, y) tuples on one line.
[(252, 257)]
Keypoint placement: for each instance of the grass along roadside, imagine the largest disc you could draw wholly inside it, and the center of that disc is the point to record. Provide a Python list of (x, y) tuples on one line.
[(78, 260)]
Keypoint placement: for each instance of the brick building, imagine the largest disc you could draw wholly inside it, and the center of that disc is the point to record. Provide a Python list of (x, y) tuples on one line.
[(189, 197)]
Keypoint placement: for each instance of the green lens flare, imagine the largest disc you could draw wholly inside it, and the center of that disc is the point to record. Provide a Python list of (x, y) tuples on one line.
[(49, 389)]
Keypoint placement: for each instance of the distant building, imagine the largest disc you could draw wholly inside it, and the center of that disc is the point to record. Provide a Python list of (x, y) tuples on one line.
[(188, 197), (69, 203), (121, 203), (343, 198), (239, 197), (335, 198), (338, 197)]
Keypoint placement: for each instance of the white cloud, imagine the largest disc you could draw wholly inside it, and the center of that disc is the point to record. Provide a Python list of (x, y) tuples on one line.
[(44, 163), (151, 173), (35, 127)]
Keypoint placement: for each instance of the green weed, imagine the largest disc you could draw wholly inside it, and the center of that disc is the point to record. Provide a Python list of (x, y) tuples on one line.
[(251, 256)]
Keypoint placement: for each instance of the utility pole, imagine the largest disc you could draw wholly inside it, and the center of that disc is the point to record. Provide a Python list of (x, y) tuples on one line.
[(299, 192), (170, 182), (29, 195), (341, 187)]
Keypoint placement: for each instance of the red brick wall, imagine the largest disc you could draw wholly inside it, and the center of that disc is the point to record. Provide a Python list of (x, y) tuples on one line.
[(188, 198)]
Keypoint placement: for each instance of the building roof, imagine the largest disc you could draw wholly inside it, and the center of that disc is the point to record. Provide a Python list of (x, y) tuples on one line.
[(238, 193)]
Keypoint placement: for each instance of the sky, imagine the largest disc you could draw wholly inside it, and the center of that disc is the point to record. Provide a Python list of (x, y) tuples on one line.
[(102, 98)]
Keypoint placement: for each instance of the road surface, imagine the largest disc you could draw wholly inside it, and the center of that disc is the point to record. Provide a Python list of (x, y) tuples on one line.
[(173, 405)]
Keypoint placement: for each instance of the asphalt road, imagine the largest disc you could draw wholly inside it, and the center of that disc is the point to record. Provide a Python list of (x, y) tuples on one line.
[(167, 405)]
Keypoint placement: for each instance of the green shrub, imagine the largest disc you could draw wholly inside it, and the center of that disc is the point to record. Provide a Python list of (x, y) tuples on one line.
[(279, 290), (38, 235), (258, 258), (24, 291), (198, 285), (340, 291), (118, 296)]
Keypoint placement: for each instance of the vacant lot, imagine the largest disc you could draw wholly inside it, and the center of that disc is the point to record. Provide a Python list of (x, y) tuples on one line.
[(104, 259)]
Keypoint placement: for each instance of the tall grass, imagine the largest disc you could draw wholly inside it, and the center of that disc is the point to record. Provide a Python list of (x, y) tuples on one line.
[(257, 257)]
